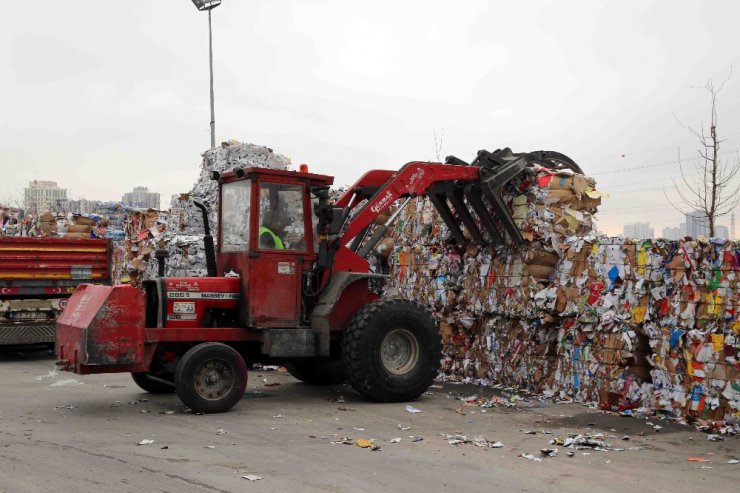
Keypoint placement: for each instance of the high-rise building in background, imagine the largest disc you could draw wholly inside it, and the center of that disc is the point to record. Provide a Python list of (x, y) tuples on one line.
[(141, 198), (42, 196), (721, 232), (671, 233), (696, 224), (641, 231)]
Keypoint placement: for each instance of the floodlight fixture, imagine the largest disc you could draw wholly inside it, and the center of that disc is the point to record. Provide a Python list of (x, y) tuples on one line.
[(206, 4)]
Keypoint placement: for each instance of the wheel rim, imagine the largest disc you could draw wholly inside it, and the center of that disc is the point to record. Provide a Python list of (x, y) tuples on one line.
[(214, 379), (399, 351)]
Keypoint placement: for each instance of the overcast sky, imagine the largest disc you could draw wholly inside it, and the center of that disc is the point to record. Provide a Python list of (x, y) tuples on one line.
[(102, 96)]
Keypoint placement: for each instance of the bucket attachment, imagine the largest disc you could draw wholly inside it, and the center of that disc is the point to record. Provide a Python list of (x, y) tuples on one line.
[(102, 330), (493, 222)]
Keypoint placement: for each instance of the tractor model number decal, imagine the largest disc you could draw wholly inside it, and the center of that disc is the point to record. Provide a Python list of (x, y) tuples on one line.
[(181, 316), (174, 295), (184, 307), (286, 267)]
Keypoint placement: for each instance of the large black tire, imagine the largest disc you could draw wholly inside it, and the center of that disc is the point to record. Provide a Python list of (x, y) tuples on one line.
[(392, 350), (318, 371), (152, 386), (211, 378)]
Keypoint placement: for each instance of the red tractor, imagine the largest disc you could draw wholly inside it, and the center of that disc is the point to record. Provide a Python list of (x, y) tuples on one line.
[(289, 284)]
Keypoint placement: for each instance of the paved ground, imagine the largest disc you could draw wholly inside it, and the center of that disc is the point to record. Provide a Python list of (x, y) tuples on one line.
[(84, 438)]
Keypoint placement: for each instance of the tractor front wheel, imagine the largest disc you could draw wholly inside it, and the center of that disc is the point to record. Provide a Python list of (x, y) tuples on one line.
[(211, 378), (392, 350)]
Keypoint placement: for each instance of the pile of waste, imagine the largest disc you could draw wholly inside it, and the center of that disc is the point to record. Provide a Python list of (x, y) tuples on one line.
[(180, 231), (574, 315)]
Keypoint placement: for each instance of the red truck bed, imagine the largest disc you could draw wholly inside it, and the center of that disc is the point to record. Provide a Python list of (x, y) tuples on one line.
[(37, 276)]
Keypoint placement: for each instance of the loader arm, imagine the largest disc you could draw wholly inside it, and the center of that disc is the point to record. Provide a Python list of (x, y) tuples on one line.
[(413, 179)]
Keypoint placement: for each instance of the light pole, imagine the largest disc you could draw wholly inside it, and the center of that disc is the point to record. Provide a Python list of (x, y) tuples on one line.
[(209, 5)]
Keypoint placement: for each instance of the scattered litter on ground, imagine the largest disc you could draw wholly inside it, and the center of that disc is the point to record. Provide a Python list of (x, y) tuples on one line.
[(367, 443), (530, 457), (113, 386), (50, 374), (733, 461), (145, 441), (411, 409), (252, 477), (698, 459), (404, 427), (67, 382), (278, 416), (416, 438), (69, 406), (220, 431), (550, 452), (395, 440)]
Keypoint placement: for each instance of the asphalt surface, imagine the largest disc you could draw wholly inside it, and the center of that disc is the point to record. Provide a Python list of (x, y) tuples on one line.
[(83, 436)]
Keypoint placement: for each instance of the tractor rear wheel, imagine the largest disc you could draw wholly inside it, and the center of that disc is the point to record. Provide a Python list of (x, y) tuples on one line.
[(392, 350), (318, 371), (152, 386), (211, 378)]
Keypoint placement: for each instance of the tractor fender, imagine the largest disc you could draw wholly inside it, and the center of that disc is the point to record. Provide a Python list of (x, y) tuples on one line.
[(329, 314)]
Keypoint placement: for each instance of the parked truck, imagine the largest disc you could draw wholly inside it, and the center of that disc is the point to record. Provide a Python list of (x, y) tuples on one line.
[(37, 277)]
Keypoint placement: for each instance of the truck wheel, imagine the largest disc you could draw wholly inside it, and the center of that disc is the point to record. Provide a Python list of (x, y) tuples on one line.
[(392, 350), (211, 377), (152, 386), (318, 371)]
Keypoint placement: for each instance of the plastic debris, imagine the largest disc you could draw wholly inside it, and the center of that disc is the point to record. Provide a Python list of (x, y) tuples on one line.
[(550, 452), (411, 409), (252, 477), (698, 459), (530, 457), (145, 441), (367, 443), (67, 382), (221, 431), (395, 440), (733, 461), (416, 438), (50, 374)]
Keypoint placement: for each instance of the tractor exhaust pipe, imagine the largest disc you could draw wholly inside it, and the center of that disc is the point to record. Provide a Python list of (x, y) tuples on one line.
[(207, 240)]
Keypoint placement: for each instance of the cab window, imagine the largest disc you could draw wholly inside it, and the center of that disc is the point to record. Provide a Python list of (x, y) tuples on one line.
[(282, 225)]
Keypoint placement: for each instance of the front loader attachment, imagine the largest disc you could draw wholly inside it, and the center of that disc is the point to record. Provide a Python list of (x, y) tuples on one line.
[(455, 201)]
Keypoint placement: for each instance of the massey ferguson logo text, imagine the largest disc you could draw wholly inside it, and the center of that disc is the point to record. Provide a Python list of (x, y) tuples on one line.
[(202, 296), (376, 208)]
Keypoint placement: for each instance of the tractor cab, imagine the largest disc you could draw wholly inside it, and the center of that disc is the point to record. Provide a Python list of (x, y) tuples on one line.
[(267, 237)]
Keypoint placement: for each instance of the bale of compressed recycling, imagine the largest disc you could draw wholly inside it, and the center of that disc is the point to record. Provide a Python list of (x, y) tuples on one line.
[(630, 324), (180, 231)]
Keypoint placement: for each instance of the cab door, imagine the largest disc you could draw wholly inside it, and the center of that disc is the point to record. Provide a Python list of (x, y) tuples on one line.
[(276, 266)]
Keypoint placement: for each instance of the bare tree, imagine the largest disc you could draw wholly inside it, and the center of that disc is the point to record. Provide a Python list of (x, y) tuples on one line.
[(713, 189), (438, 144)]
